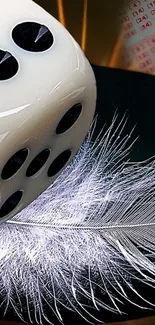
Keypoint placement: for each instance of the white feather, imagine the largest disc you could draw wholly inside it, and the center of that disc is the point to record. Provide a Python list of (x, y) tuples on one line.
[(98, 217)]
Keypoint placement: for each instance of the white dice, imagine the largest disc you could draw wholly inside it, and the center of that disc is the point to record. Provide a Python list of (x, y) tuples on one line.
[(47, 102)]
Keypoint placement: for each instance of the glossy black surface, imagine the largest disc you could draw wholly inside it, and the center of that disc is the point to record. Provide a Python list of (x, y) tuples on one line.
[(8, 65), (10, 204), (131, 94), (59, 163), (69, 118), (37, 163), (14, 164), (32, 36)]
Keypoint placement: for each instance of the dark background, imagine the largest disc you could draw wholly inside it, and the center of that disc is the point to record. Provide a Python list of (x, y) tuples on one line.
[(133, 94)]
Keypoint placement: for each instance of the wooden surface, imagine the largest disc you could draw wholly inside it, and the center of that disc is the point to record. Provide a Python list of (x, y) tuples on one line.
[(146, 321)]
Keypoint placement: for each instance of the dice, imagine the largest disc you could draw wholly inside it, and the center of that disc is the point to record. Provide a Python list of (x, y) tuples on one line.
[(47, 102)]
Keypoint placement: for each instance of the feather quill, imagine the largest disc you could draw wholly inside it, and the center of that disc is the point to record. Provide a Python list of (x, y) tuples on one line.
[(92, 230)]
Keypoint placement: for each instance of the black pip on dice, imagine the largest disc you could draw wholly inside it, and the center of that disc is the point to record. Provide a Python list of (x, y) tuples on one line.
[(47, 102)]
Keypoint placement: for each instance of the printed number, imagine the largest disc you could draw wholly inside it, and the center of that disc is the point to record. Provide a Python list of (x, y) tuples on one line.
[(145, 64), (128, 26), (151, 70), (135, 5), (124, 20), (144, 26), (137, 12), (130, 34), (142, 56), (151, 4), (140, 19)]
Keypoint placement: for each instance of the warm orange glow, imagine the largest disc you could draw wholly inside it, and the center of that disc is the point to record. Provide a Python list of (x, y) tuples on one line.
[(61, 12), (115, 57), (84, 26)]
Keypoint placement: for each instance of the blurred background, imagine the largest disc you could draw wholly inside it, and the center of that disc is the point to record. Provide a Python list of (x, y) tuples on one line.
[(113, 33)]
